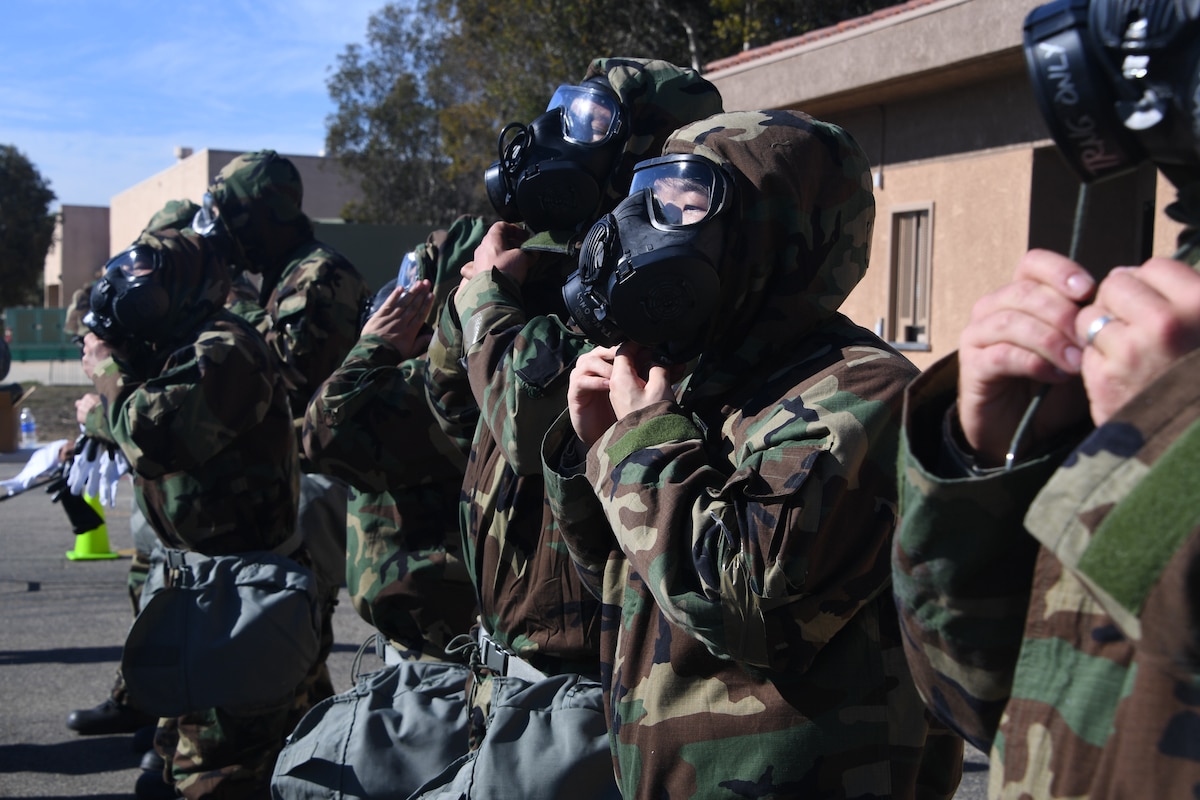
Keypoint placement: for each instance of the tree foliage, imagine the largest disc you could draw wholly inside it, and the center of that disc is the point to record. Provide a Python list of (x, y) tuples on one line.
[(26, 228), (421, 104)]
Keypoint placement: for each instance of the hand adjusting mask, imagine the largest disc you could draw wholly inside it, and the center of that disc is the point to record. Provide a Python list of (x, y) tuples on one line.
[(648, 271), (551, 175)]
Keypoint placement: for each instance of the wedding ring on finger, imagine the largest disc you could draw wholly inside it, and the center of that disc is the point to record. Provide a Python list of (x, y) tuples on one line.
[(1097, 325)]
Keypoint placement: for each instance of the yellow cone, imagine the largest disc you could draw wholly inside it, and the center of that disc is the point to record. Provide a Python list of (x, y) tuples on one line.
[(93, 544)]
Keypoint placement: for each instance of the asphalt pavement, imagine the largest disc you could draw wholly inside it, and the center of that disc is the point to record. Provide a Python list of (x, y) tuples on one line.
[(62, 623)]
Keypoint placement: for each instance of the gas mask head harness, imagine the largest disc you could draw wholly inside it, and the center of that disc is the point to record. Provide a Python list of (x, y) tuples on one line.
[(129, 302), (1117, 82), (648, 270), (552, 174)]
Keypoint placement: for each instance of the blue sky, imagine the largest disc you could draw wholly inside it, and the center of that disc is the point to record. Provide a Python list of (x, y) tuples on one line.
[(98, 93)]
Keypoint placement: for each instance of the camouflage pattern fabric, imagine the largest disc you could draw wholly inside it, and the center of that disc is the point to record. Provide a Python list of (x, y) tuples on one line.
[(739, 535), (207, 431), (503, 355), (78, 307), (176, 215), (1050, 612), (369, 425), (311, 294), (211, 410), (308, 309)]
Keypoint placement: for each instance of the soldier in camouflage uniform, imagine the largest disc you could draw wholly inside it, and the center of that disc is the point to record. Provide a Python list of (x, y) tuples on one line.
[(369, 425), (309, 306), (498, 375), (735, 511), (193, 397), (1050, 609), (115, 715)]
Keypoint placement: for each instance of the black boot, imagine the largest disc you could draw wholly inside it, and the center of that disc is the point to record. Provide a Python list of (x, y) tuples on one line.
[(143, 738), (151, 786), (108, 717)]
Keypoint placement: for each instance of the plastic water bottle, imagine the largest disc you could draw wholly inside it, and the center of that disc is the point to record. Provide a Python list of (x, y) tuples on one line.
[(28, 429)]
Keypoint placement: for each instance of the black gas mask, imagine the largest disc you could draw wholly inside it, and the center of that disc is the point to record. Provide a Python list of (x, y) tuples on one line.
[(551, 174), (129, 303), (1117, 82), (648, 271), (209, 224)]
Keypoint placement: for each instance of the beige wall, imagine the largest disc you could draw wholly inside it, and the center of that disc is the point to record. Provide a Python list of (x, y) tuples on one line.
[(968, 259), (325, 190), (937, 95), (79, 249)]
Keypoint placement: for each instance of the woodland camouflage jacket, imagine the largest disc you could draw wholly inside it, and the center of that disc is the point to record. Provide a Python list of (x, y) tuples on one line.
[(498, 379), (1051, 612), (204, 422), (739, 535), (369, 425)]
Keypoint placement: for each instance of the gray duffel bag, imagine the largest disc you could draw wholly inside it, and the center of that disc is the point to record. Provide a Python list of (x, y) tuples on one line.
[(394, 730), (234, 632)]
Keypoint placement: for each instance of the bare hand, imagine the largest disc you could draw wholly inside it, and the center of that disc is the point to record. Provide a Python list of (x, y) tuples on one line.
[(501, 249), (636, 381), (1021, 338), (1154, 313), (399, 320), (85, 404), (95, 350), (587, 395)]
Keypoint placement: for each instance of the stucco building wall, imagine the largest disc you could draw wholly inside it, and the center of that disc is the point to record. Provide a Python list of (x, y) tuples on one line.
[(937, 94), (78, 250)]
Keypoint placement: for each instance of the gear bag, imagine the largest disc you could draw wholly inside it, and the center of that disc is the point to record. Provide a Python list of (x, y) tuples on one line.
[(237, 632), (545, 740), (394, 730)]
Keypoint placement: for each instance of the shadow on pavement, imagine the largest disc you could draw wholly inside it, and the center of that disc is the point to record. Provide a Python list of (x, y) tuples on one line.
[(61, 655), (86, 755)]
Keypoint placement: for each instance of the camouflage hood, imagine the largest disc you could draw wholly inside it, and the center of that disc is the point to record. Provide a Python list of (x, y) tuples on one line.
[(259, 196), (196, 281), (798, 236), (658, 98), (177, 214)]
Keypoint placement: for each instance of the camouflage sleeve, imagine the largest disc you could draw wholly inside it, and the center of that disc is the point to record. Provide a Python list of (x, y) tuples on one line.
[(96, 426), (447, 390), (962, 565), (207, 395), (368, 423), (517, 366), (576, 510), (314, 321), (763, 560)]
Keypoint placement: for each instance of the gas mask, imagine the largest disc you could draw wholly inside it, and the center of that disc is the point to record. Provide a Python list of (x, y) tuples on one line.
[(129, 302), (209, 224), (1118, 82), (552, 174), (648, 271)]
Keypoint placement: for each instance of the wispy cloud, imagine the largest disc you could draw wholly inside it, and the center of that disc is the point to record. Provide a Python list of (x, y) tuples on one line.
[(98, 94)]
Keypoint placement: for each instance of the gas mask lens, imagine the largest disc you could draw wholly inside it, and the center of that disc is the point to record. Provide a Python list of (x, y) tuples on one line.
[(205, 221), (409, 272), (137, 262), (684, 189), (589, 116)]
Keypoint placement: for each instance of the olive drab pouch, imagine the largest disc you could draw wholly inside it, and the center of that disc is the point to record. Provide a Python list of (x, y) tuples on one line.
[(237, 632), (395, 729)]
